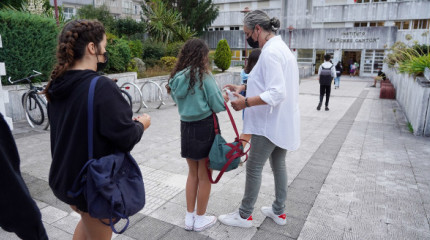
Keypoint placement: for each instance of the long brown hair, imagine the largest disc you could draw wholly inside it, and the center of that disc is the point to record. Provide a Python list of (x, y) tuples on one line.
[(72, 42), (194, 54), (252, 60)]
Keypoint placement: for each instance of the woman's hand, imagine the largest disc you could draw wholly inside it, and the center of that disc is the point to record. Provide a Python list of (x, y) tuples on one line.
[(145, 119), (239, 103)]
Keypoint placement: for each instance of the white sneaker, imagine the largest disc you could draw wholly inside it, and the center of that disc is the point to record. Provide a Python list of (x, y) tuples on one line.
[(279, 219), (234, 219), (189, 221), (203, 222)]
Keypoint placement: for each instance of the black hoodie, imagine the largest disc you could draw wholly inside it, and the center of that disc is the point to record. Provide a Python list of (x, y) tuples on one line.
[(114, 128), (18, 211)]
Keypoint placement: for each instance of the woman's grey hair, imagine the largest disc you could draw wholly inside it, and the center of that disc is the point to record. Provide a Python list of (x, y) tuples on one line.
[(261, 18)]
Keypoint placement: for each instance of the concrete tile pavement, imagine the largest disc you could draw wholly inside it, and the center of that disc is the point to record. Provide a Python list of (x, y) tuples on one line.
[(359, 174)]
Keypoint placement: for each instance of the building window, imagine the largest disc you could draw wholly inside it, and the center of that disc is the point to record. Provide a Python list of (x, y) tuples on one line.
[(234, 28), (68, 12), (421, 24), (402, 25), (368, 24), (127, 7), (305, 55), (368, 1)]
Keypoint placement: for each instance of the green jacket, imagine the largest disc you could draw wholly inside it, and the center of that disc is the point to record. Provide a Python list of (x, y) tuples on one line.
[(200, 104)]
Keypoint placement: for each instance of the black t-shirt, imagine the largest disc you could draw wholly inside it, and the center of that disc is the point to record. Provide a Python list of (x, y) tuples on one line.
[(382, 74), (114, 128)]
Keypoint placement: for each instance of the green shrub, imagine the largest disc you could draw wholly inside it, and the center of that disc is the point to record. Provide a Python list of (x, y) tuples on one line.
[(128, 27), (29, 43), (168, 62), (150, 62), (222, 55), (173, 49), (153, 50), (136, 48), (119, 55)]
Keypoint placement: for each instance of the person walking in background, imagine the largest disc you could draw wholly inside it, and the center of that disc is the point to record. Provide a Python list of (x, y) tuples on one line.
[(253, 58), (356, 69), (194, 90), (352, 70), (272, 117), (81, 53), (339, 71), (19, 212), (326, 72)]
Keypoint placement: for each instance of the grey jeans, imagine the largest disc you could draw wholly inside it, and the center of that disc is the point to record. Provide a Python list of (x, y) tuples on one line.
[(261, 150)]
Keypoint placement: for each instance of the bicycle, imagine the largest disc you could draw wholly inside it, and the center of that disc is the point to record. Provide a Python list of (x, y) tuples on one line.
[(34, 103)]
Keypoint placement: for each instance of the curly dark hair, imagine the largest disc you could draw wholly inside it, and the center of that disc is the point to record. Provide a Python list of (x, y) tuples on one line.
[(194, 55), (72, 42), (252, 60)]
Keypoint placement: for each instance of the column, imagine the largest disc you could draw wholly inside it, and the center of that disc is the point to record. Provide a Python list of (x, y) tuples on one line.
[(4, 96)]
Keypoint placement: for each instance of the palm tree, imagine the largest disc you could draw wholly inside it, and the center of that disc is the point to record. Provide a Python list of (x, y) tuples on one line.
[(164, 24)]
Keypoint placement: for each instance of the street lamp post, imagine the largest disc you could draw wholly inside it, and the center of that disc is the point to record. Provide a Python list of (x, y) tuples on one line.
[(245, 11), (290, 30), (56, 13)]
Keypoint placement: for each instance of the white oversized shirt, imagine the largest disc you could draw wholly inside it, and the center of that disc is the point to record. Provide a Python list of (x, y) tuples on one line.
[(275, 78)]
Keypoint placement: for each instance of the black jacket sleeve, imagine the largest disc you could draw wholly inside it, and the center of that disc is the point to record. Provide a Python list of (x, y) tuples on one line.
[(19, 213), (115, 116)]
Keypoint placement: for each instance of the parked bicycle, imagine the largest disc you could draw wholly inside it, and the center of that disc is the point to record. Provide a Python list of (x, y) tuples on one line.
[(34, 103)]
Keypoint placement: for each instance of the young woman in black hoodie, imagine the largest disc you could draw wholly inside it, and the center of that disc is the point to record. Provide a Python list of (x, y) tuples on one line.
[(81, 54)]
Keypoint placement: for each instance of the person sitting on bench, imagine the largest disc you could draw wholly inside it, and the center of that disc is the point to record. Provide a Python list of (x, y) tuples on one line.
[(381, 76)]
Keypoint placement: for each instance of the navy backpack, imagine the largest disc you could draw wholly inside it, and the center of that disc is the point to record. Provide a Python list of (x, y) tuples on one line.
[(112, 185)]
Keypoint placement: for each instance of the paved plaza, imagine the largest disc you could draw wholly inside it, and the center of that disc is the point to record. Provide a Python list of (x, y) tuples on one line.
[(358, 174)]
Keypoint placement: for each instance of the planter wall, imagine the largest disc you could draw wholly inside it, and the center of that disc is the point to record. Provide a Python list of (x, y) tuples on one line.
[(16, 112), (413, 95)]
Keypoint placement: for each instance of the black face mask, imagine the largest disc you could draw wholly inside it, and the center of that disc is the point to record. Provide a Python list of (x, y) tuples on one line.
[(102, 65), (252, 43)]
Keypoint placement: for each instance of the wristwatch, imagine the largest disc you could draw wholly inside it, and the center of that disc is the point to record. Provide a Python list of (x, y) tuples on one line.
[(246, 102)]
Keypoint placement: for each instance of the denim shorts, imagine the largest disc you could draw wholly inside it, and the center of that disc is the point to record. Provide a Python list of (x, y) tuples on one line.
[(197, 138)]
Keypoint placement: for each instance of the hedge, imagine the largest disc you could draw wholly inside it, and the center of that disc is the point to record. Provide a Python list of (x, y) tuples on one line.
[(29, 43)]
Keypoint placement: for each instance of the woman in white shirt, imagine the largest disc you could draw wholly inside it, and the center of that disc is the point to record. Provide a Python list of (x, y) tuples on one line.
[(272, 116)]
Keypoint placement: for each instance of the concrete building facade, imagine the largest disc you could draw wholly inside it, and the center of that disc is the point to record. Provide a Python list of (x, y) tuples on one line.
[(350, 30), (118, 8)]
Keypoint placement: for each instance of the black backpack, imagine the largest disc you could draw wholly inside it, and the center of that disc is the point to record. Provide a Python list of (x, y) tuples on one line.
[(325, 76)]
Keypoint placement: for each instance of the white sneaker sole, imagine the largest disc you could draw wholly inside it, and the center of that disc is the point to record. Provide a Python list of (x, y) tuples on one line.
[(205, 227), (188, 228), (273, 217), (247, 225)]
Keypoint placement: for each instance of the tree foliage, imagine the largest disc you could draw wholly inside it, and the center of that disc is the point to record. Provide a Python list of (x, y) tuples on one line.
[(164, 24), (99, 13), (128, 27), (199, 13), (223, 55)]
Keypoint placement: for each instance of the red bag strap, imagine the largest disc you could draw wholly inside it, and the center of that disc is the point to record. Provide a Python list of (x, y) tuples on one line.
[(235, 150)]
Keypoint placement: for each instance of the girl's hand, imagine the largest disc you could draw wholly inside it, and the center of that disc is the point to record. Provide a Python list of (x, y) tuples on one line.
[(145, 119), (235, 88)]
